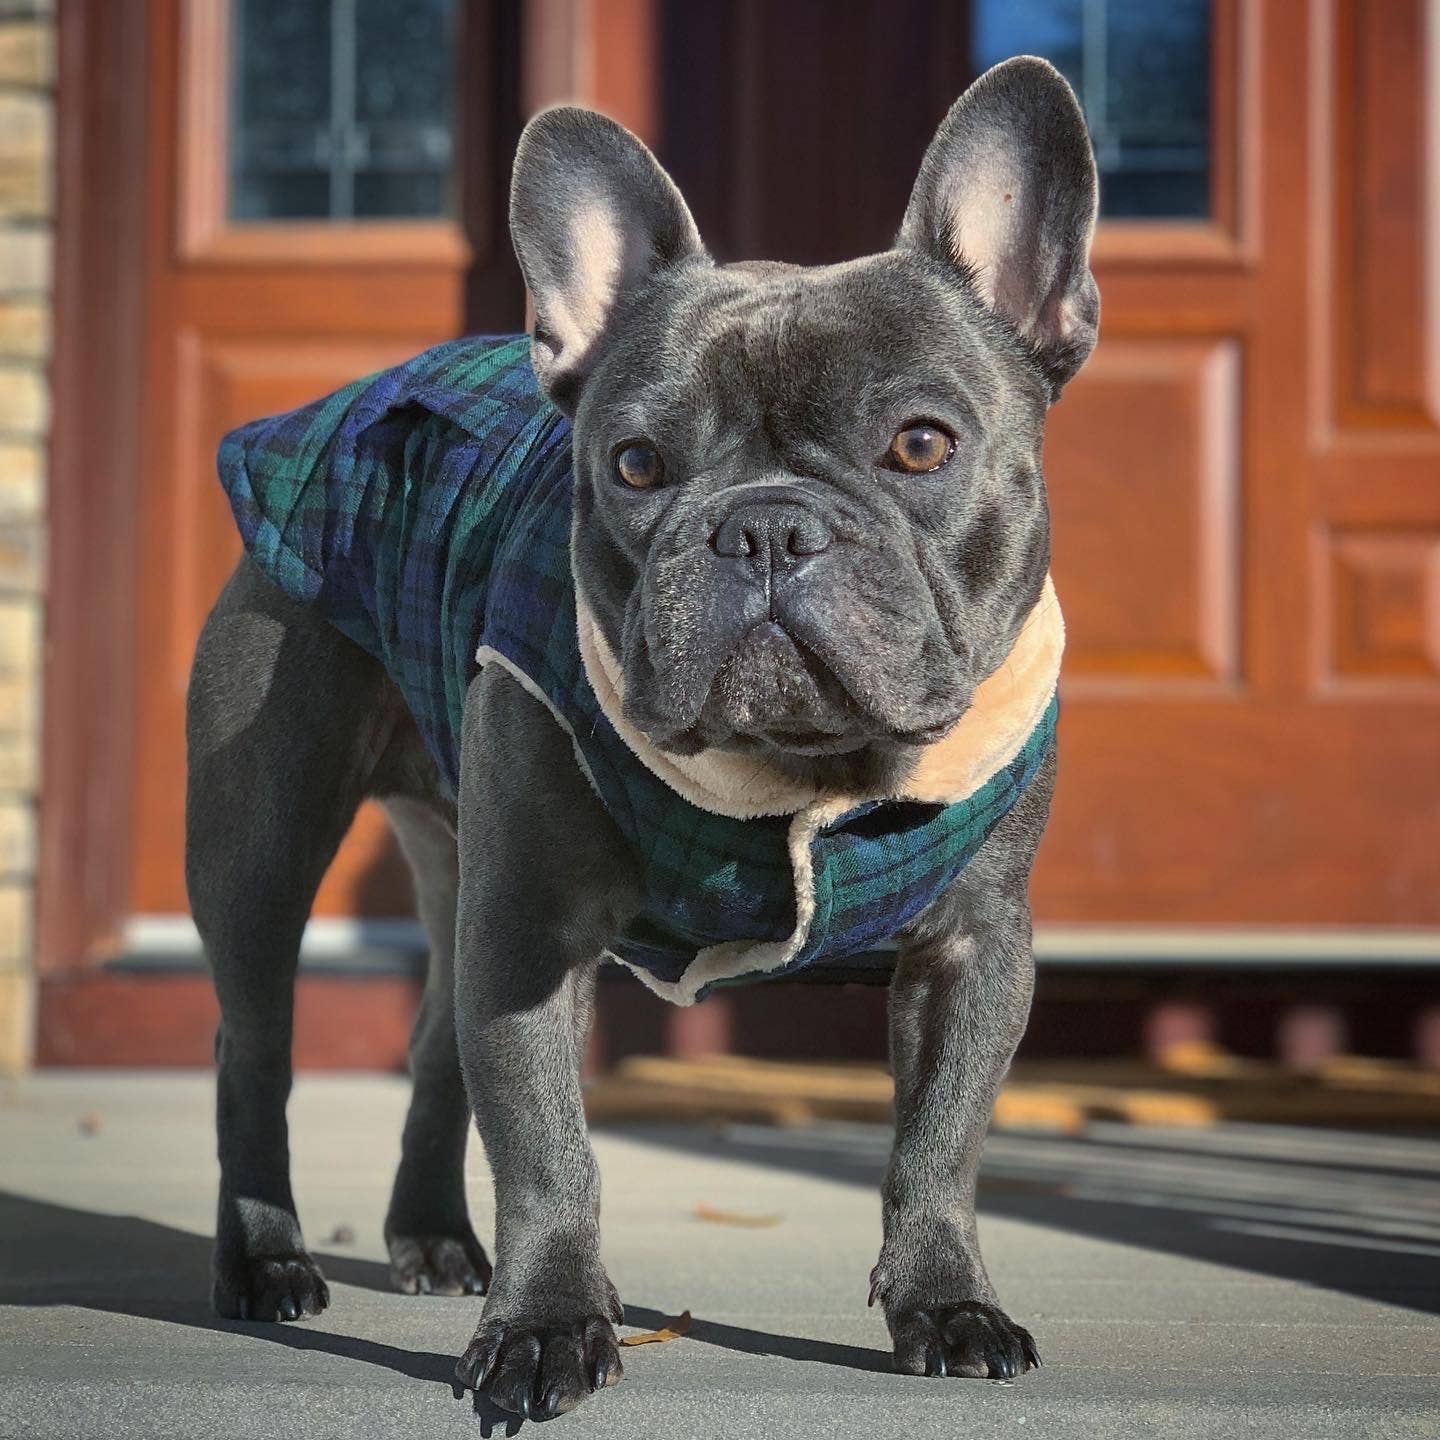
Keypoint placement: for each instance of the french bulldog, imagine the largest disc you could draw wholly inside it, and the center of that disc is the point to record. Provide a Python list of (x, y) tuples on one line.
[(810, 530)]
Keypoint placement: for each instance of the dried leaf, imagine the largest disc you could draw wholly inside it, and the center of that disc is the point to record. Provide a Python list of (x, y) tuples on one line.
[(735, 1217), (90, 1123), (672, 1330)]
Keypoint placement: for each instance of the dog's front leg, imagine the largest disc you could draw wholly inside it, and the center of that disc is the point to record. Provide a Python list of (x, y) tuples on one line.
[(958, 1006), (543, 887)]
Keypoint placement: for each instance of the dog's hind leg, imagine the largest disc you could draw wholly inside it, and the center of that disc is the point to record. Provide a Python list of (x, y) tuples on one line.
[(433, 1249), (285, 716)]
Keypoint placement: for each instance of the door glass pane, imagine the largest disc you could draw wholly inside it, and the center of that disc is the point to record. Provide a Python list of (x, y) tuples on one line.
[(341, 109), (1142, 71)]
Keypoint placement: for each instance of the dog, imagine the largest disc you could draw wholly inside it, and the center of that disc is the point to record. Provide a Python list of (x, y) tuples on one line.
[(652, 632)]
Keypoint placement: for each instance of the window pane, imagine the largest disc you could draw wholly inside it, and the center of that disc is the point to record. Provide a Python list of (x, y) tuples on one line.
[(280, 109), (341, 109), (403, 104), (1142, 72)]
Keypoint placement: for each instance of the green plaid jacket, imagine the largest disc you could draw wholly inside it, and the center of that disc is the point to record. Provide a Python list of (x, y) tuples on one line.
[(426, 512)]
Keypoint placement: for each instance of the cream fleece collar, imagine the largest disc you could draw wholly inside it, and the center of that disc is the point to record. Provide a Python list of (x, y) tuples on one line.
[(1007, 707)]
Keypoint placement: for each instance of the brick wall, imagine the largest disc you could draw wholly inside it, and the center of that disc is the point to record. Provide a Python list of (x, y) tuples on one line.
[(26, 190)]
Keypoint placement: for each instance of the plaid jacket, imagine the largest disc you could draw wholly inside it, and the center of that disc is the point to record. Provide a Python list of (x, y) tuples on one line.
[(426, 512)]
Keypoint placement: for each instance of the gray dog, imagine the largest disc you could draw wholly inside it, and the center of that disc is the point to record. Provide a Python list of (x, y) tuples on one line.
[(709, 629)]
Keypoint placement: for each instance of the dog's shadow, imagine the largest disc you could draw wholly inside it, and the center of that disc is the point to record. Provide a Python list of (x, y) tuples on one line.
[(119, 1264)]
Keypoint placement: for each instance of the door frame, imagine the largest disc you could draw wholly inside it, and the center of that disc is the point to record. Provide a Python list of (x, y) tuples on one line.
[(94, 482)]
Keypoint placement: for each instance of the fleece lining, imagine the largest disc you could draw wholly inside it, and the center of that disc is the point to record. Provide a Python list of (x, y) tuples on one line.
[(1006, 708)]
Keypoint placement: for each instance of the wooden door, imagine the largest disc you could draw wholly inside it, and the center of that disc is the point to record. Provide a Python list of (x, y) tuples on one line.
[(290, 250), (259, 201), (1248, 512), (1246, 476)]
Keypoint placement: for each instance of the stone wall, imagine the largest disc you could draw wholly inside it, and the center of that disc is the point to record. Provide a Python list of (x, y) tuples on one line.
[(27, 130)]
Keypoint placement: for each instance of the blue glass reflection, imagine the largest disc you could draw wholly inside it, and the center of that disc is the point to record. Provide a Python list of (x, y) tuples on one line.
[(1142, 71)]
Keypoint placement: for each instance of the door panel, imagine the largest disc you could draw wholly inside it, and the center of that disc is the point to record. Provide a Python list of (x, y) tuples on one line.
[(1376, 116), (221, 382), (250, 316), (1375, 424), (1245, 479), (1146, 557), (1306, 788)]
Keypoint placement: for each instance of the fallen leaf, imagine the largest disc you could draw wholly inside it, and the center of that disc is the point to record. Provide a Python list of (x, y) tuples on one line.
[(672, 1330), (342, 1234), (735, 1217), (90, 1124)]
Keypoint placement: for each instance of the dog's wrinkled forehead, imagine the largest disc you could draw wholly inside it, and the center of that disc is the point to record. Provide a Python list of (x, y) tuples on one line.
[(810, 353)]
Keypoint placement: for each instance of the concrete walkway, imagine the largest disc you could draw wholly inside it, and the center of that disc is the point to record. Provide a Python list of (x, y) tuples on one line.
[(1231, 1282)]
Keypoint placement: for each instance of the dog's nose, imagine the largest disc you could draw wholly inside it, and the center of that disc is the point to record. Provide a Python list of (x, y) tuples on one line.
[(771, 534)]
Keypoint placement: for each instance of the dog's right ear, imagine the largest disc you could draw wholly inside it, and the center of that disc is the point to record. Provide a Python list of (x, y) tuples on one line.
[(593, 217)]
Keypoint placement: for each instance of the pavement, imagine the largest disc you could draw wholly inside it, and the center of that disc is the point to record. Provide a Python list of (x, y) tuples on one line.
[(1233, 1281)]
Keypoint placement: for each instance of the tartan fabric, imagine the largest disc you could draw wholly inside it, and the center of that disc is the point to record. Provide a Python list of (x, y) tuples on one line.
[(426, 511)]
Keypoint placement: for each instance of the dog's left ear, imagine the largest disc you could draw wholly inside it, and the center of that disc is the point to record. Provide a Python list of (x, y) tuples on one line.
[(1007, 193), (593, 217)]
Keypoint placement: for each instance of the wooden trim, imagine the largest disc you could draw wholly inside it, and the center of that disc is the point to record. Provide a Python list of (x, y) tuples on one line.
[(626, 82), (1226, 239), (1225, 91), (1275, 402), (1244, 57), (94, 482), (399, 242), (555, 55), (114, 1018), (1239, 947), (169, 944), (602, 53), (204, 233), (350, 944), (1147, 243), (202, 95)]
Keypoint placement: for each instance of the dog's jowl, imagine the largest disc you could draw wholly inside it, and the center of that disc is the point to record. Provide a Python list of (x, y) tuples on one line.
[(708, 629)]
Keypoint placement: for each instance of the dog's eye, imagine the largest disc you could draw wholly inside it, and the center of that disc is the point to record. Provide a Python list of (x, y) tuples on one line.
[(639, 465), (918, 449)]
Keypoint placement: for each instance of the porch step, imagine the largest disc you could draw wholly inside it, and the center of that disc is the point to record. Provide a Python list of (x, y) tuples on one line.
[(1194, 1086)]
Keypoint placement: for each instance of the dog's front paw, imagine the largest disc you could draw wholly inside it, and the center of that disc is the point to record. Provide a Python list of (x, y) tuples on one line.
[(541, 1368), (966, 1338), (269, 1287), (438, 1264)]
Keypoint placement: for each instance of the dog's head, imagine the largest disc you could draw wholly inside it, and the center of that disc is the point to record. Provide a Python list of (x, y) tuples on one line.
[(810, 515)]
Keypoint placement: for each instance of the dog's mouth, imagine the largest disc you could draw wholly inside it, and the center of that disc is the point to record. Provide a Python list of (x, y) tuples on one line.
[(775, 692), (829, 673), (800, 738), (773, 685)]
